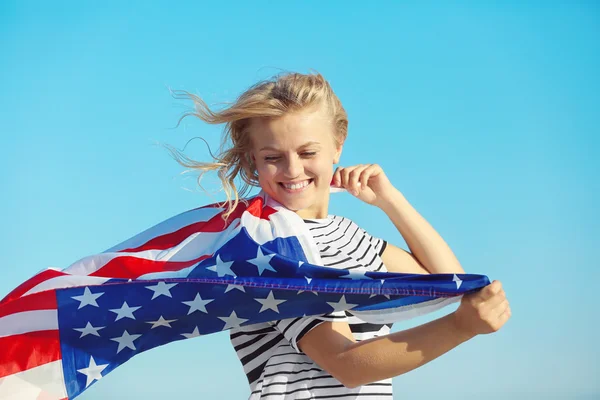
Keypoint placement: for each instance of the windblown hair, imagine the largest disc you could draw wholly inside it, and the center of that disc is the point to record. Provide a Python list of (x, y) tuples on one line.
[(273, 98)]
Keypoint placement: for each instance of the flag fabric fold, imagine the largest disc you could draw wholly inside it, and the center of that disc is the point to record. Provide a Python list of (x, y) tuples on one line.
[(191, 275)]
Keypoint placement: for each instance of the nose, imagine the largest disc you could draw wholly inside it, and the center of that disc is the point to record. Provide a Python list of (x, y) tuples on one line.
[(293, 167)]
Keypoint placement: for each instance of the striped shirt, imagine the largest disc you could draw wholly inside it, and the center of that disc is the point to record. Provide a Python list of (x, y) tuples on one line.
[(274, 365)]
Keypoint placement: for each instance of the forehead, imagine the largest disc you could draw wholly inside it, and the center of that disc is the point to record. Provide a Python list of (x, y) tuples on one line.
[(293, 129)]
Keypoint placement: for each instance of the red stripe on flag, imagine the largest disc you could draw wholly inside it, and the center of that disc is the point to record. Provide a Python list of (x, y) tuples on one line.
[(45, 300), (28, 350), (32, 282), (215, 224), (128, 267)]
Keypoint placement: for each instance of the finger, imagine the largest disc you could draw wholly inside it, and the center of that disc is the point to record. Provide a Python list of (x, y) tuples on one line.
[(337, 179), (491, 290), (355, 175), (500, 307), (345, 176), (367, 173), (502, 318)]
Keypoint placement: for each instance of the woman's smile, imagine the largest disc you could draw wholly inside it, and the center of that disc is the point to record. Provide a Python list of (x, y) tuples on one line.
[(297, 186)]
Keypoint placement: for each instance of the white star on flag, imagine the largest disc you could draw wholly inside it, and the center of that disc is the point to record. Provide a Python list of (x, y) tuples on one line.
[(307, 291), (89, 330), (126, 341), (197, 304), (125, 311), (354, 275), (270, 303), (232, 321), (231, 287), (373, 295), (308, 280), (93, 372), (161, 322), (222, 268), (457, 280), (262, 261), (87, 298), (341, 305), (194, 334), (161, 289)]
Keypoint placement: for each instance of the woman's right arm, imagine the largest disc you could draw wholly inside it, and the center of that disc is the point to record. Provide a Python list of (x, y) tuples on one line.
[(332, 346)]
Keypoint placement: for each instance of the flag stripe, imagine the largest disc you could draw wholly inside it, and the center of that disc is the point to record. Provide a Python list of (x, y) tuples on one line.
[(215, 224), (45, 382), (17, 354), (67, 281), (38, 301), (28, 321), (29, 283), (132, 267), (171, 225)]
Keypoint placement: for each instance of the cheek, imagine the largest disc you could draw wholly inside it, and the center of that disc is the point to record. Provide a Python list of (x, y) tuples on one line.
[(266, 172), (324, 169)]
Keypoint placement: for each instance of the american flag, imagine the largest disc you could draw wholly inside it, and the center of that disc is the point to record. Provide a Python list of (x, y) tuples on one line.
[(191, 275)]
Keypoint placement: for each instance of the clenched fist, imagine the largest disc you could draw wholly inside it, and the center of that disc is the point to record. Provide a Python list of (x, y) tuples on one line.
[(483, 312)]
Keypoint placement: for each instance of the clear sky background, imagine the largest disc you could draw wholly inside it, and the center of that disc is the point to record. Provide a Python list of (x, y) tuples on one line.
[(484, 114)]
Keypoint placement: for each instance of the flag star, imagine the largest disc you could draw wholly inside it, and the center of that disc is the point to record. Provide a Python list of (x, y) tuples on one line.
[(262, 261), (300, 264), (87, 298), (125, 341), (93, 372), (194, 334), (341, 305), (374, 294), (270, 303), (308, 279), (161, 322), (197, 304), (232, 321), (457, 280), (125, 311), (231, 287), (222, 268), (161, 288), (307, 291), (356, 275), (89, 330)]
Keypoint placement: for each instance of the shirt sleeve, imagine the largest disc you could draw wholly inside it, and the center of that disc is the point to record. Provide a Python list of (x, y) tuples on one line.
[(293, 329), (377, 243)]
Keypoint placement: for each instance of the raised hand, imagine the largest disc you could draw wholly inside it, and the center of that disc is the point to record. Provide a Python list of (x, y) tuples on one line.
[(367, 182)]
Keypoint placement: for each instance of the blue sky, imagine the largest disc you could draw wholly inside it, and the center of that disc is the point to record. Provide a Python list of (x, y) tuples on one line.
[(484, 116)]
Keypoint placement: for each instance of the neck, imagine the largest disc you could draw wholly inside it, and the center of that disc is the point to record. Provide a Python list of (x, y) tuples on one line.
[(316, 211)]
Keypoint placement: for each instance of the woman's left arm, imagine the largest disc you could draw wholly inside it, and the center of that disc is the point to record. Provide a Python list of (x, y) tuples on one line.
[(429, 251), (425, 244)]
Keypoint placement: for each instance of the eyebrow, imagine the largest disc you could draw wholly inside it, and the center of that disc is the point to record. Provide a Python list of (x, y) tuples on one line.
[(304, 145)]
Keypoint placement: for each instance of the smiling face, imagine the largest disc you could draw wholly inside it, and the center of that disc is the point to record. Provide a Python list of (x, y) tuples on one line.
[(294, 157)]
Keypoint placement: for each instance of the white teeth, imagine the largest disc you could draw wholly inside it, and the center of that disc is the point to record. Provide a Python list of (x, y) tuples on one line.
[(296, 185)]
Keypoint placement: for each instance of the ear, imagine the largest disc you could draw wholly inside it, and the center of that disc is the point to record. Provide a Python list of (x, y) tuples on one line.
[(337, 154)]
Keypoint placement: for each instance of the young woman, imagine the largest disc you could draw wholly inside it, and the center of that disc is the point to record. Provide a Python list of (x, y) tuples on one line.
[(286, 136)]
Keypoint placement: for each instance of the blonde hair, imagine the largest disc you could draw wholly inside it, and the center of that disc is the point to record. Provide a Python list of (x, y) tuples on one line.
[(272, 98)]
